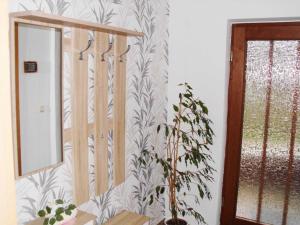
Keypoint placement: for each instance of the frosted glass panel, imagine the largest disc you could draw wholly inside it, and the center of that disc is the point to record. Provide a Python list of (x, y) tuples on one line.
[(253, 127), (269, 183)]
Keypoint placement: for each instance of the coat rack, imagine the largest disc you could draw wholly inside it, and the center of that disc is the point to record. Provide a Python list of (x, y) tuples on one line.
[(78, 134)]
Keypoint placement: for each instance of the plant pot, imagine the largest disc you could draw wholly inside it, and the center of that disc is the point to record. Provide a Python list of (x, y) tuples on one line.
[(173, 222)]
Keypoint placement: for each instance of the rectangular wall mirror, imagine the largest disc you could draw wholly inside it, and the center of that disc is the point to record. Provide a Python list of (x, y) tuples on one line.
[(37, 85)]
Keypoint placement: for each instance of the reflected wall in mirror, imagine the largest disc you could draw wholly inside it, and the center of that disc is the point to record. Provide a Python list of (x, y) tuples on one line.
[(38, 97)]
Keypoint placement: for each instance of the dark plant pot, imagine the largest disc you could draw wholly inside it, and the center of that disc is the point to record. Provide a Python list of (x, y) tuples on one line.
[(178, 222)]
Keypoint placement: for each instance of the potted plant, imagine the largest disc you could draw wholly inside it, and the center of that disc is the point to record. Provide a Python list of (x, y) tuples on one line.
[(188, 141), (58, 213)]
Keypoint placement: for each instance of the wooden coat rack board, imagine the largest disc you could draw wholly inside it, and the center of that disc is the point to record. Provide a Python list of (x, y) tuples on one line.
[(80, 131)]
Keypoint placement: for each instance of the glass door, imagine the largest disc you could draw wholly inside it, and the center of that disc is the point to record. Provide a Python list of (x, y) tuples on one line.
[(266, 187)]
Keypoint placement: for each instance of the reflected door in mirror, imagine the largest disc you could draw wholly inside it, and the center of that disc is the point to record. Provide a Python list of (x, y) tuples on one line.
[(38, 97)]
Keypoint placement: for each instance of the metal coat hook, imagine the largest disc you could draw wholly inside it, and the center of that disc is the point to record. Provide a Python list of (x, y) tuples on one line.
[(88, 46), (110, 45), (123, 54)]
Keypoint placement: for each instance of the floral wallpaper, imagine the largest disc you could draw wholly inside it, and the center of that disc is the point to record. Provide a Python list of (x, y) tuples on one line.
[(147, 77)]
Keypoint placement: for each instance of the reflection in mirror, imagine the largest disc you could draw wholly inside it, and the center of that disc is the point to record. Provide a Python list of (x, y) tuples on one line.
[(38, 97)]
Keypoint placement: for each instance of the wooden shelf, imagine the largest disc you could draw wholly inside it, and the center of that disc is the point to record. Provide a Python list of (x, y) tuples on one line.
[(81, 219), (38, 16), (127, 218)]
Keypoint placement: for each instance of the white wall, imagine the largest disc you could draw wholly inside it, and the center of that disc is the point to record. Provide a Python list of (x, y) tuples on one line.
[(7, 183), (199, 42)]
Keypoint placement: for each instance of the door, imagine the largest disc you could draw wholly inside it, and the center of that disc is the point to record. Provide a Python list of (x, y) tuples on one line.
[(262, 165)]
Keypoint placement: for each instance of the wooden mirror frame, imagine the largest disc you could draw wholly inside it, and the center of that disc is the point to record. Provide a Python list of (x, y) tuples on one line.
[(14, 55)]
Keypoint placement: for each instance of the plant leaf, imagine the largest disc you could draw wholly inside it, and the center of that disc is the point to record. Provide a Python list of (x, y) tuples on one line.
[(59, 201), (42, 213), (59, 217), (71, 207), (48, 209), (46, 221), (52, 221), (175, 107), (59, 210)]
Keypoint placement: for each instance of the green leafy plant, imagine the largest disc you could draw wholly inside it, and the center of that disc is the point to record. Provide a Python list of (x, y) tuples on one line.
[(56, 212), (188, 141)]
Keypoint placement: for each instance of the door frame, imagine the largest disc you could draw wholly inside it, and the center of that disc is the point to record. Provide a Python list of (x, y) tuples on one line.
[(241, 33)]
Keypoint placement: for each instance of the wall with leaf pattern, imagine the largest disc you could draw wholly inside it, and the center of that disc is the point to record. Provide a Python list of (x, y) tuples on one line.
[(147, 77)]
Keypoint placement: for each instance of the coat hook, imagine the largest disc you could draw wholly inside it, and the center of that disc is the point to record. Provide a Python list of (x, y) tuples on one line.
[(123, 54), (88, 46), (110, 45)]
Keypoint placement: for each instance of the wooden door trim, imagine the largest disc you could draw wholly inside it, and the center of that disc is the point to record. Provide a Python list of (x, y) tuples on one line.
[(244, 221), (235, 104), (271, 31)]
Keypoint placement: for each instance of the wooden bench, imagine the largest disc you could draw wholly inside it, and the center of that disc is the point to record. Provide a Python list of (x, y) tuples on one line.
[(127, 218), (123, 218)]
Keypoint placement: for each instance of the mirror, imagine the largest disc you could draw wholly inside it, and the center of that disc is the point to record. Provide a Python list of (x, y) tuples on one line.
[(38, 97)]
